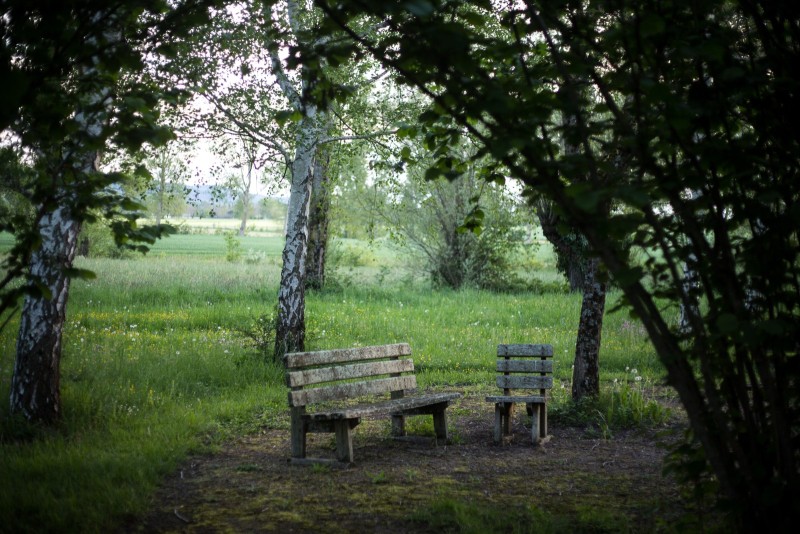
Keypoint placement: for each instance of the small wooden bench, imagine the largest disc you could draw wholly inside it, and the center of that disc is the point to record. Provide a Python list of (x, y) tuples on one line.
[(523, 367), (315, 378)]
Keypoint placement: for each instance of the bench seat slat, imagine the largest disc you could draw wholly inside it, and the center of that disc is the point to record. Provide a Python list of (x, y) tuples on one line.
[(345, 372), (524, 366), (352, 389), (385, 407), (541, 351), (536, 399), (327, 357), (524, 382)]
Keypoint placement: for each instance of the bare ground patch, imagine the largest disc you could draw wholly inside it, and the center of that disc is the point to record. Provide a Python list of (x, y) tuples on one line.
[(576, 481)]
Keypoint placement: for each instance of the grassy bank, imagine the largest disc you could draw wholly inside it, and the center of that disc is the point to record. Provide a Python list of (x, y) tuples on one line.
[(156, 366)]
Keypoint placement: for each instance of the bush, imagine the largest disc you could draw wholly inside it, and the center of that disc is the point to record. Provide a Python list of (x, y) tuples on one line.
[(97, 241), (233, 247)]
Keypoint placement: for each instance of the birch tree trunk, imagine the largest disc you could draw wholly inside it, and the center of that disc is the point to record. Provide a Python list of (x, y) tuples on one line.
[(568, 252), (586, 366), (318, 220), (586, 369), (162, 184), (35, 383), (689, 307), (290, 328), (35, 391), (245, 212)]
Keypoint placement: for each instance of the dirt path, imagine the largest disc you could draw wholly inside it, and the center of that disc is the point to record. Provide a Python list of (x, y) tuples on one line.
[(573, 483)]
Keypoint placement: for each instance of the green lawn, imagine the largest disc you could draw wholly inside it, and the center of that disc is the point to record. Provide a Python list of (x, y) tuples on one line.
[(155, 366), (214, 245)]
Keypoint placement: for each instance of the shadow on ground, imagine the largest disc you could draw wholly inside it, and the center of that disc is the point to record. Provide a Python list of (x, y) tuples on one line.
[(573, 483)]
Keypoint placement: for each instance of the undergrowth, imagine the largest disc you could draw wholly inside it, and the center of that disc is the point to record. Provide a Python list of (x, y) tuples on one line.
[(159, 362)]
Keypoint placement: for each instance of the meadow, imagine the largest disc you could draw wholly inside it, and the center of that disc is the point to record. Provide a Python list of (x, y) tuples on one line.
[(157, 363)]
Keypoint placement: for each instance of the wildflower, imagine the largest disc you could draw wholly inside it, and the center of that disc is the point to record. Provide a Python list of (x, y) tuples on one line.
[(177, 353), (638, 378), (634, 372)]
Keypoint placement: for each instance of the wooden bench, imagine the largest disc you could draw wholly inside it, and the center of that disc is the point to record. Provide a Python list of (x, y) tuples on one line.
[(315, 378), (523, 367)]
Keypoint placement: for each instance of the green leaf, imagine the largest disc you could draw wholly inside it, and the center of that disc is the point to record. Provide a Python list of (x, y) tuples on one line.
[(727, 323), (282, 117), (652, 25)]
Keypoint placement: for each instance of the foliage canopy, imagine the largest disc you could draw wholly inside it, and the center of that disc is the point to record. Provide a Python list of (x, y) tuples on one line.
[(684, 120)]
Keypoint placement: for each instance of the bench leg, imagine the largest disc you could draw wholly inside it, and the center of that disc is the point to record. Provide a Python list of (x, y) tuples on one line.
[(498, 423), (298, 433), (502, 420), (543, 420), (535, 430), (398, 425), (344, 441), (440, 424)]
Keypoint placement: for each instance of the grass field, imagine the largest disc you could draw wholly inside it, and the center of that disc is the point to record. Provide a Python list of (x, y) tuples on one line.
[(155, 364), (256, 227)]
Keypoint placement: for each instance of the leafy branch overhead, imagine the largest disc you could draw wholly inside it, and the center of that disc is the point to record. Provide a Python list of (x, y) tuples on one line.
[(681, 119)]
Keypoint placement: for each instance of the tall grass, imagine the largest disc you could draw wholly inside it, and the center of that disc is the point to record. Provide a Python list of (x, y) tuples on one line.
[(155, 367)]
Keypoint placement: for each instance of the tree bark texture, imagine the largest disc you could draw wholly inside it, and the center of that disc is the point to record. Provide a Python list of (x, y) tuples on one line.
[(245, 213), (35, 391), (290, 328), (318, 220), (586, 370), (568, 253), (35, 383)]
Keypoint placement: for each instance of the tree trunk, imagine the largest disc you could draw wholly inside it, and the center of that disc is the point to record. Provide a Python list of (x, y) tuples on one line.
[(245, 213), (689, 307), (586, 370), (318, 220), (291, 328), (35, 391), (160, 201), (568, 254)]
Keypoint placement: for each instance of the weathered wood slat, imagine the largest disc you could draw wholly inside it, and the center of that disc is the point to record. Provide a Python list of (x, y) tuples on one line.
[(524, 366), (350, 375), (345, 372), (326, 357), (351, 389), (522, 399), (540, 350), (524, 382), (405, 405)]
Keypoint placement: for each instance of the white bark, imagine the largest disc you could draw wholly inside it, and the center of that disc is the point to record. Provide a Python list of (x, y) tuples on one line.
[(689, 312), (290, 328), (35, 391), (290, 335)]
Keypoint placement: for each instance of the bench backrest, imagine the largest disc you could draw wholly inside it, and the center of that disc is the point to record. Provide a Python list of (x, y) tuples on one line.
[(332, 373), (524, 367)]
